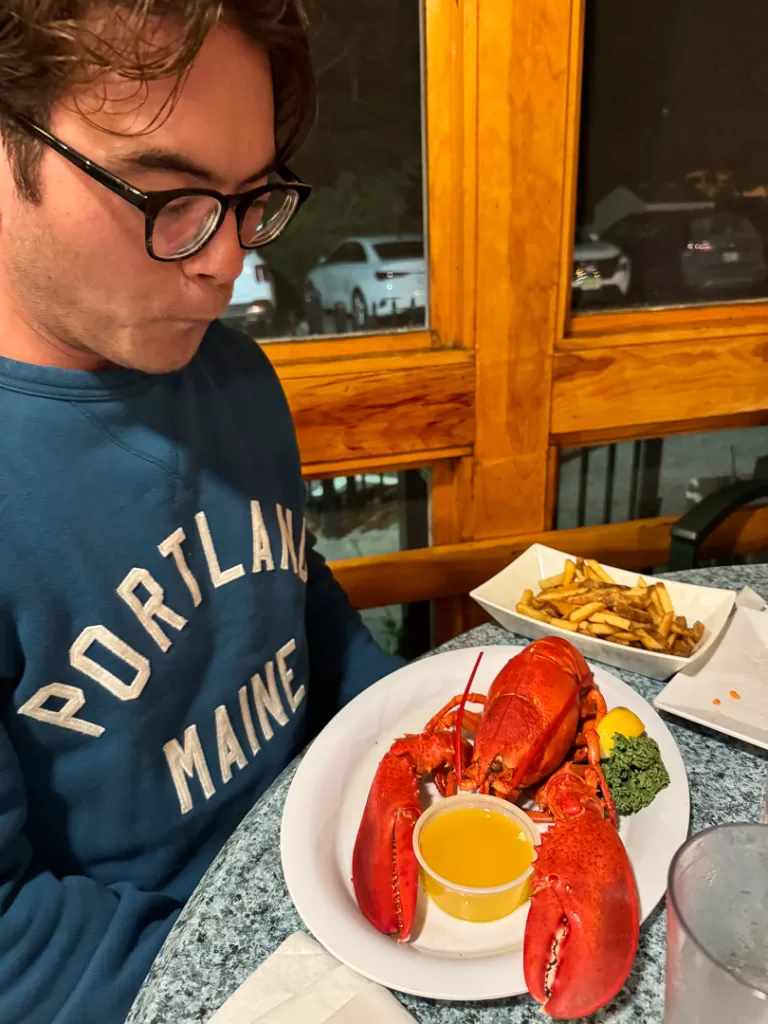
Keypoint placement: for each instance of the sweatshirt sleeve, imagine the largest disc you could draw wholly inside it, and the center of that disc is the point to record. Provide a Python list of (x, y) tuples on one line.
[(344, 659), (72, 951)]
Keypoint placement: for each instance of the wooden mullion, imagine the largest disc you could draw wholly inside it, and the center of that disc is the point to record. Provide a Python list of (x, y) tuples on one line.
[(509, 484), (451, 480), (573, 94), (451, 144), (526, 57)]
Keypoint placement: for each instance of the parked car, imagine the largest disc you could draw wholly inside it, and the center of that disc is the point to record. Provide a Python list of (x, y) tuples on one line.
[(601, 273), (689, 251), (378, 276), (252, 306)]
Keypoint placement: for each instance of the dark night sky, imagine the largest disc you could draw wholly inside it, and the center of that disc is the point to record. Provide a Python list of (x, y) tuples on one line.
[(673, 86)]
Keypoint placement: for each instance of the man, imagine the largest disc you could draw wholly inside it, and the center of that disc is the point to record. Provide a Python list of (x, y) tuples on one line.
[(169, 639)]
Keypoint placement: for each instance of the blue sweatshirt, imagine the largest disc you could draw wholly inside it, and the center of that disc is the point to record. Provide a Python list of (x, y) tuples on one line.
[(169, 640)]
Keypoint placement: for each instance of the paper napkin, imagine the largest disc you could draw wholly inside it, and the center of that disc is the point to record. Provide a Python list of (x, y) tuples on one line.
[(728, 689), (749, 599), (303, 984)]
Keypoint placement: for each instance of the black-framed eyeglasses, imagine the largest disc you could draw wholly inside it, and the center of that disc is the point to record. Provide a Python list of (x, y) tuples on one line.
[(180, 221)]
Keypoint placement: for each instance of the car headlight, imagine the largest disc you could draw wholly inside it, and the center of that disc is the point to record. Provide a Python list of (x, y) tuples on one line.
[(258, 308)]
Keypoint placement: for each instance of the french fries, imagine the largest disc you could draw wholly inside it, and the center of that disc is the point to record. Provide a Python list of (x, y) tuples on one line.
[(584, 599)]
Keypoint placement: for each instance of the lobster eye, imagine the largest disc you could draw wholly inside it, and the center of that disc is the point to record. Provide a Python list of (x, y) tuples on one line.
[(496, 765)]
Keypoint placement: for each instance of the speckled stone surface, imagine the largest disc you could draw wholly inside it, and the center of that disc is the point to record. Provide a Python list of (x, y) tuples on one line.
[(241, 911)]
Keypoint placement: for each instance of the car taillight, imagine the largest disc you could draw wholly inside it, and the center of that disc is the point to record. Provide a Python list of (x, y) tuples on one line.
[(259, 273), (387, 275)]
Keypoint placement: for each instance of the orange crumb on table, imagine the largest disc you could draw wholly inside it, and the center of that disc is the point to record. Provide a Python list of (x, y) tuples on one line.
[(716, 701), (736, 696)]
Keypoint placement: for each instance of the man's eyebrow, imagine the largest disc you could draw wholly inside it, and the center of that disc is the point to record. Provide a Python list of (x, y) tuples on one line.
[(166, 160)]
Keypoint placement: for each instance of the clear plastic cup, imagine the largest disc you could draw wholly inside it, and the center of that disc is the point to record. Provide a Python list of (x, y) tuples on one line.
[(476, 904), (717, 928)]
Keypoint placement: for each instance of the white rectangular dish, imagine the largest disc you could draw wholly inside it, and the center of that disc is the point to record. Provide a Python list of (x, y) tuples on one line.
[(500, 594), (728, 690)]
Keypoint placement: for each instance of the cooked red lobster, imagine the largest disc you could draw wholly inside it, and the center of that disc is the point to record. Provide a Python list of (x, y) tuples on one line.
[(582, 928)]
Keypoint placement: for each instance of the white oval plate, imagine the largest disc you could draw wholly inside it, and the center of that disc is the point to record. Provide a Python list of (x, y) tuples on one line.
[(326, 800)]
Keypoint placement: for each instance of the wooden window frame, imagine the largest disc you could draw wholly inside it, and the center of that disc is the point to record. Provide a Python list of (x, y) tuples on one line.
[(505, 375)]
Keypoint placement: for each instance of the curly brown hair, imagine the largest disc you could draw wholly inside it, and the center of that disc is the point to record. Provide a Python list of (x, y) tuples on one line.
[(49, 46)]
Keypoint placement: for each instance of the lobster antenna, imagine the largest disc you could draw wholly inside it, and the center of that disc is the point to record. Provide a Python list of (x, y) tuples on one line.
[(458, 767)]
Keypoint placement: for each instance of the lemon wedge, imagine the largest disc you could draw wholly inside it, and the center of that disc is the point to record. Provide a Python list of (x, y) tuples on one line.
[(618, 720)]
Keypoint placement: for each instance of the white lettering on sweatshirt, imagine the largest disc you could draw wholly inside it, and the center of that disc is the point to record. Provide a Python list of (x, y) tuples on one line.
[(186, 759)]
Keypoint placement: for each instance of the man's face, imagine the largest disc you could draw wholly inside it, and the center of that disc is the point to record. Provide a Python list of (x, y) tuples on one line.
[(74, 267)]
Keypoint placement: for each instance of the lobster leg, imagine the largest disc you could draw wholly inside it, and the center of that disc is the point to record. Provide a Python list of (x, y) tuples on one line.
[(593, 757), (595, 698), (588, 748), (470, 720), (446, 716), (385, 872)]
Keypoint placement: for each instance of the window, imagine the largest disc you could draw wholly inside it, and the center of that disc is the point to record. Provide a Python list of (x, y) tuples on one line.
[(369, 513), (402, 629), (375, 514), (364, 159), (660, 476), (673, 175)]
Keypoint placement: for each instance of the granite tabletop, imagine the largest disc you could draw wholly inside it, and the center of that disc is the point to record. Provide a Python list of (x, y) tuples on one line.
[(241, 910)]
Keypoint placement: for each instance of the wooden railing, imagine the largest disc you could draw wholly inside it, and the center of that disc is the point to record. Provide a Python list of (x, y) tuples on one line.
[(453, 570)]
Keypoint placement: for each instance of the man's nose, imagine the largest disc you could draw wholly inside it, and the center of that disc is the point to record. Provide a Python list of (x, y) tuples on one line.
[(221, 260)]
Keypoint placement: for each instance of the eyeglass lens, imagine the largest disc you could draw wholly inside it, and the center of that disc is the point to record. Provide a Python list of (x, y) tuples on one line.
[(185, 224), (266, 217)]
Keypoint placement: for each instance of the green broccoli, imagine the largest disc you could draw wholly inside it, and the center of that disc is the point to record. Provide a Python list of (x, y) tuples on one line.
[(635, 772)]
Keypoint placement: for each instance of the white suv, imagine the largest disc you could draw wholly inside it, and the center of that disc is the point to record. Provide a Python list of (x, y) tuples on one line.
[(600, 270), (252, 306), (379, 276)]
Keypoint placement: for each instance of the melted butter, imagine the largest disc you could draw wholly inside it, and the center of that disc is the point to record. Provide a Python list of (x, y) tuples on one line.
[(476, 847)]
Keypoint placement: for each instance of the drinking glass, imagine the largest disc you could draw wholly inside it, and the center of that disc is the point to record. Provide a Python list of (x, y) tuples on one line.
[(717, 928)]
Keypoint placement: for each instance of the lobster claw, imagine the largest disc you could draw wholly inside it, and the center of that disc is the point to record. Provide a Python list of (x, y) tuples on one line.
[(385, 872), (583, 925)]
